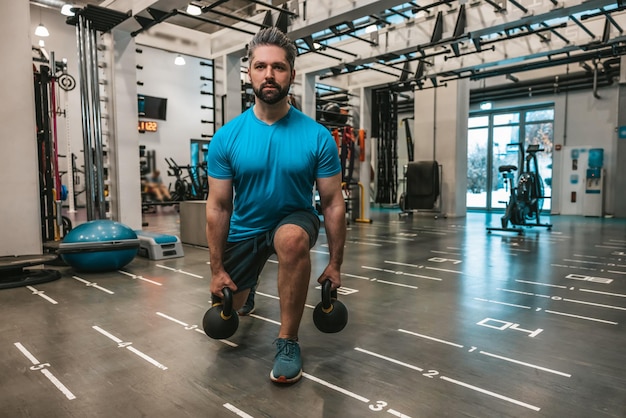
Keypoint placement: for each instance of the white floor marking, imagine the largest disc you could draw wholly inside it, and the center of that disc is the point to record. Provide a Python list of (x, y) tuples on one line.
[(431, 338), (264, 319), (444, 270), (364, 243), (396, 413), (603, 293), (542, 284), (320, 252), (612, 247), (237, 411), (389, 359), (423, 277), (355, 276), (180, 271), (583, 261), (41, 293), (488, 354), (401, 264), (26, 353), (107, 334), (42, 368), (402, 272), (617, 272), (383, 240), (137, 277), (193, 327), (336, 388), (69, 395), (502, 303), (146, 357), (594, 304), (432, 373), (172, 319), (534, 366), (127, 345), (490, 393), (581, 317), (395, 284), (268, 296), (444, 252), (519, 292), (89, 284), (600, 305)]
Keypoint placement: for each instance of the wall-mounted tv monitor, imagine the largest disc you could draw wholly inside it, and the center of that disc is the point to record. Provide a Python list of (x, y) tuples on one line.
[(150, 107)]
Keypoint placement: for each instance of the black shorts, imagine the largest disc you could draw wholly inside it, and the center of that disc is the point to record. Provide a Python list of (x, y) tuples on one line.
[(244, 260)]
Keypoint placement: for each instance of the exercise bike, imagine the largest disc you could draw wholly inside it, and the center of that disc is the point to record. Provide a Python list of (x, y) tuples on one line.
[(526, 198)]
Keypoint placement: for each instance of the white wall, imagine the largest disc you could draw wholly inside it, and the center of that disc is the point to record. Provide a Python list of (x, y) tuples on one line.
[(181, 86)]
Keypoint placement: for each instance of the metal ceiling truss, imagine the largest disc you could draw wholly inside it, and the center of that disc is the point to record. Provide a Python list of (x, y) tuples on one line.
[(474, 35), (158, 16), (475, 42)]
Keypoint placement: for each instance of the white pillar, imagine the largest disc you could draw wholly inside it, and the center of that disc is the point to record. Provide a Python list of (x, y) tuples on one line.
[(20, 220), (125, 136), (308, 95), (232, 84), (440, 128)]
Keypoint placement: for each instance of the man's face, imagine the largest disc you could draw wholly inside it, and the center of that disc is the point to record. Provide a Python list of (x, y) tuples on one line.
[(270, 74)]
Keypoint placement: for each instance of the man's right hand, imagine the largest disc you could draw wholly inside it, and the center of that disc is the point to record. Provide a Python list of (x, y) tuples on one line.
[(219, 281)]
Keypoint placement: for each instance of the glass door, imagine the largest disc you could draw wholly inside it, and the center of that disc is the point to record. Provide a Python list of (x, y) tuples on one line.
[(497, 138), (477, 143), (504, 151)]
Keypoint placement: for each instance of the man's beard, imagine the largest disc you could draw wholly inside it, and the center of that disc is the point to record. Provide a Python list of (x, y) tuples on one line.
[(272, 97)]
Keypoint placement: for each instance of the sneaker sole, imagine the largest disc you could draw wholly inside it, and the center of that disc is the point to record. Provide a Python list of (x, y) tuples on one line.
[(246, 313), (284, 380)]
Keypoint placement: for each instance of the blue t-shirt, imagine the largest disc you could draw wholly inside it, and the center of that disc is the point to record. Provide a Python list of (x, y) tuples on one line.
[(273, 167)]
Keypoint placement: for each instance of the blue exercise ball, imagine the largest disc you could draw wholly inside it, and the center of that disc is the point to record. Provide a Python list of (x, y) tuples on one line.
[(99, 246)]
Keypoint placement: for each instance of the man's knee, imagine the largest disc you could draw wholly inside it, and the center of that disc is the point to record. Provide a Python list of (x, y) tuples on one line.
[(291, 240)]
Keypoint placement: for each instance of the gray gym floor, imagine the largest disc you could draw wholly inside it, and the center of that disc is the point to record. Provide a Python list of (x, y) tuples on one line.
[(444, 320)]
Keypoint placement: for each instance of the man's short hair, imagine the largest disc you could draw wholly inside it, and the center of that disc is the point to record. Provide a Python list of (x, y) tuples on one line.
[(273, 36)]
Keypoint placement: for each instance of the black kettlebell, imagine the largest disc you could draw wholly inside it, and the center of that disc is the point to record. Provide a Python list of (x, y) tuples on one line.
[(330, 315), (221, 321)]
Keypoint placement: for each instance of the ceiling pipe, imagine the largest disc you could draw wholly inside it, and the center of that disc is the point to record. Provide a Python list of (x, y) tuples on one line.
[(595, 79), (582, 80)]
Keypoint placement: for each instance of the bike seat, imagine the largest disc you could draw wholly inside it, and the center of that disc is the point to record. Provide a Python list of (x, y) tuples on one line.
[(507, 168)]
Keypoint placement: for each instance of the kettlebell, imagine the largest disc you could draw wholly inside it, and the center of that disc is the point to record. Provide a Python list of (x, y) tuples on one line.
[(221, 321), (330, 315)]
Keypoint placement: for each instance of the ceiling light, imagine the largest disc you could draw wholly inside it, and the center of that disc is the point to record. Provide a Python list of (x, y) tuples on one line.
[(179, 60), (42, 43), (194, 10), (42, 31), (66, 10)]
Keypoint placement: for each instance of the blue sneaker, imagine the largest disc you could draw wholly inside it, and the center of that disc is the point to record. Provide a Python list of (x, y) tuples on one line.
[(287, 363), (246, 310)]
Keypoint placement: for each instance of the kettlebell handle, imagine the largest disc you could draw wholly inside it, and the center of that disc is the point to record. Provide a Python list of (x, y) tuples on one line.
[(328, 296), (227, 301)]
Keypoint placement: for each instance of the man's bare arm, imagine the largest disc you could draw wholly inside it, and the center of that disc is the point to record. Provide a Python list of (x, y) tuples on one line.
[(219, 208), (334, 211)]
